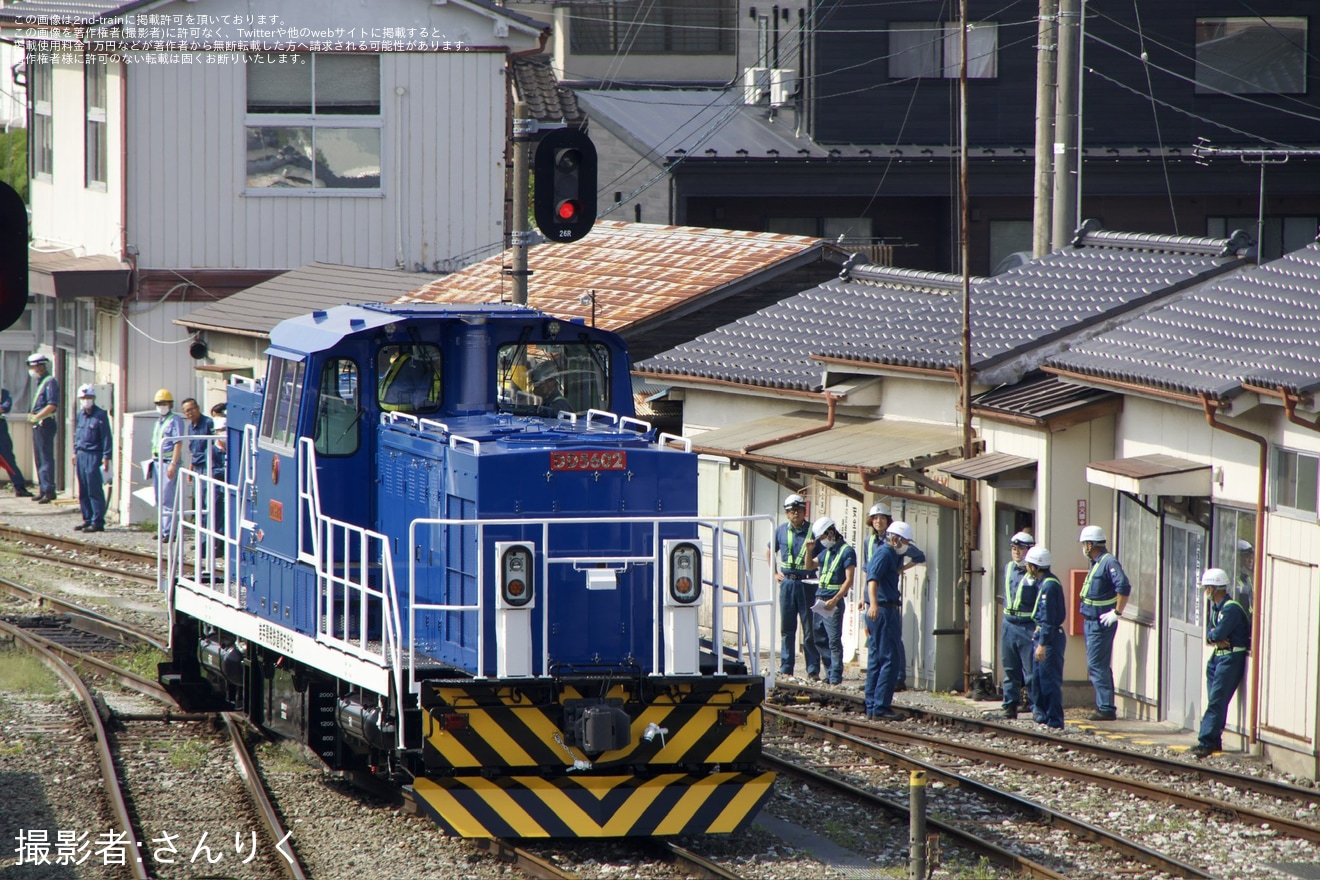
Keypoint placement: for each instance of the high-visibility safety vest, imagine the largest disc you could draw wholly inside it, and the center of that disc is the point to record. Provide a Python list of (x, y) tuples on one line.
[(1086, 585), (1012, 597)]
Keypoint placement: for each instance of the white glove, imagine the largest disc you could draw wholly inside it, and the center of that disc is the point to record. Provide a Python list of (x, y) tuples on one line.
[(1109, 618)]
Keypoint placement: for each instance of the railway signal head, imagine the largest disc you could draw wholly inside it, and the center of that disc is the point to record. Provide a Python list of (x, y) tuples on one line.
[(565, 172)]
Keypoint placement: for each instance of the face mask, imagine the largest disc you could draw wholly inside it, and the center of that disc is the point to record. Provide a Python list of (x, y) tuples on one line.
[(163, 409), (34, 374), (220, 425), (827, 543), (87, 404), (901, 550)]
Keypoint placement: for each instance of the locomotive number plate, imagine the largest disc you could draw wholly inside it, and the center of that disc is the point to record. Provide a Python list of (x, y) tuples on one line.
[(589, 461)]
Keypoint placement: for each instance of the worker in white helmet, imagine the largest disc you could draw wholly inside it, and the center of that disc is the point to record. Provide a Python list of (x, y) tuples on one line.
[(1049, 641), (1230, 634), (792, 557), (836, 561), (1104, 596), (880, 518)]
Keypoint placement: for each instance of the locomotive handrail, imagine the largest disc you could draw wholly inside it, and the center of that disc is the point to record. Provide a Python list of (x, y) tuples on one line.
[(247, 383), (665, 439), (591, 413), (566, 416), (645, 426), (455, 439), (390, 418), (423, 424), (718, 525)]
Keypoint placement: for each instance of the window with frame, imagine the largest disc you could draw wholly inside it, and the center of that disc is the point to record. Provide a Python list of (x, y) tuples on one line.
[(547, 378), (41, 87), (95, 72), (646, 27), (930, 49), (1234, 551), (409, 378), (338, 409), (1251, 55), (279, 411), (1295, 482), (1139, 546), (313, 122)]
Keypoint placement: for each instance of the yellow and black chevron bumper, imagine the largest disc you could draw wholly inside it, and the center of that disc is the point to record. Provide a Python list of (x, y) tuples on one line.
[(594, 806)]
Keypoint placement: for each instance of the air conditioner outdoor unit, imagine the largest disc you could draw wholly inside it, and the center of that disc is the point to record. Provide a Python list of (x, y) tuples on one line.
[(783, 83), (756, 85)]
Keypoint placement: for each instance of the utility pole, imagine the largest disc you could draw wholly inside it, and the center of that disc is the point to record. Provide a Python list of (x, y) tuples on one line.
[(965, 373), (1065, 125), (1042, 217), (519, 236)]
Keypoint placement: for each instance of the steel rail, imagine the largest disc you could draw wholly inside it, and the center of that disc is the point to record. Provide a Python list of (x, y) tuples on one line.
[(130, 680), (697, 866), (1232, 779), (95, 568), (114, 794), (15, 534), (529, 864), (247, 768), (1148, 790), (1081, 829), (63, 606), (978, 845)]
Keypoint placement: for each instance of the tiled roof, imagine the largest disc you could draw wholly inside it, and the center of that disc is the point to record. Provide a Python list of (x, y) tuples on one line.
[(773, 348), (256, 311), (637, 271), (1260, 326), (1071, 289), (548, 100), (898, 317)]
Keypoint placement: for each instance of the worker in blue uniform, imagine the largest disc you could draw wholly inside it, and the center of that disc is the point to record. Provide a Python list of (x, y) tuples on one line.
[(92, 445), (1015, 632), (1104, 595), (1048, 639), (7, 460), (792, 557), (165, 436), (884, 622), (836, 561), (1230, 633), (881, 518), (45, 403)]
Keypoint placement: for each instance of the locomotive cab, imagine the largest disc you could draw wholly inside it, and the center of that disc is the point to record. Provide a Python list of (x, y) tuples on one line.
[(456, 558)]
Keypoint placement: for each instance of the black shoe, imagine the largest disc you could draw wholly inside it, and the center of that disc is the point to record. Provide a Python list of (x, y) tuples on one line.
[(91, 529), (23, 493), (901, 686), (813, 676), (1202, 751), (82, 528), (1006, 714), (1102, 716), (45, 499), (889, 715)]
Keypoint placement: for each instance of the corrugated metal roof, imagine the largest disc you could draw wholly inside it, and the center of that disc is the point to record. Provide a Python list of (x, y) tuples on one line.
[(984, 466), (1260, 326), (1040, 399), (256, 311), (1140, 467), (638, 271), (853, 444)]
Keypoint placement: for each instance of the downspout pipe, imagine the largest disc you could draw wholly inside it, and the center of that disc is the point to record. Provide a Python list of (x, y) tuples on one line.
[(831, 403), (1257, 573)]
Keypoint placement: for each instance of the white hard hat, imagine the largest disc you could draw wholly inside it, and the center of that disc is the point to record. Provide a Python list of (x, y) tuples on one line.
[(1022, 539), (1094, 534), (821, 526), (900, 528), (86, 391), (38, 358), (1214, 577), (879, 509), (1038, 556), (794, 500), (1244, 546)]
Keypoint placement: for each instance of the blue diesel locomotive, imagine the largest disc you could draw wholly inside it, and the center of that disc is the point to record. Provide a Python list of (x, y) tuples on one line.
[(445, 553)]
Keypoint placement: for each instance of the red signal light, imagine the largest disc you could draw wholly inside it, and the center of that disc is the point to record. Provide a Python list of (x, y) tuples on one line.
[(567, 210)]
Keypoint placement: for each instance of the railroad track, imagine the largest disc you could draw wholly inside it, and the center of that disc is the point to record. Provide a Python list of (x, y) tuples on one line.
[(1007, 802), (100, 552)]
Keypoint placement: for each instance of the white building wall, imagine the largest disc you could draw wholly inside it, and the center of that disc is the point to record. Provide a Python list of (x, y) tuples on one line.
[(67, 215), (442, 190), (13, 97)]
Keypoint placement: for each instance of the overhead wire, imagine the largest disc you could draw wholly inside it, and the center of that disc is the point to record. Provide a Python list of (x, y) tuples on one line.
[(1155, 114)]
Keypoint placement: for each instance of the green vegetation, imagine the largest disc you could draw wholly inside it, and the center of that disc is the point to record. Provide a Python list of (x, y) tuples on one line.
[(21, 673), (189, 755), (982, 871), (13, 160), (142, 661), (284, 757)]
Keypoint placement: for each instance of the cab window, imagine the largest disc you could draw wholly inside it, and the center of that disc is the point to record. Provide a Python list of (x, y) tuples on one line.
[(338, 412), (409, 378), (546, 379), (279, 413)]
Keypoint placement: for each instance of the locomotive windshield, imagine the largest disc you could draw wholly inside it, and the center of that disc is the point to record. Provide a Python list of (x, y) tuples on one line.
[(545, 378), (409, 378)]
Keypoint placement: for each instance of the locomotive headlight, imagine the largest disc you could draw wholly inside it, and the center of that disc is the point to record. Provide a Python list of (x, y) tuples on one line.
[(684, 575), (517, 580)]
